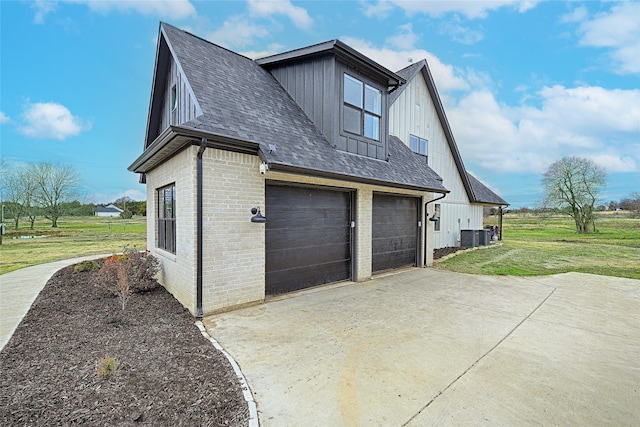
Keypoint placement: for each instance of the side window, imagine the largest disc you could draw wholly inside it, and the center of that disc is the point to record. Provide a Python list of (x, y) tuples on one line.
[(419, 145), (174, 98), (362, 108), (167, 218), (436, 225)]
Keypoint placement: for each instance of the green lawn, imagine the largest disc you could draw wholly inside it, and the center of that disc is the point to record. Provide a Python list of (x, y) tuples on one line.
[(539, 245), (74, 237)]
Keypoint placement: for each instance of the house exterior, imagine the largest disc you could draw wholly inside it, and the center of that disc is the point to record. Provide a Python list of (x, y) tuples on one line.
[(417, 118), (305, 137), (110, 211)]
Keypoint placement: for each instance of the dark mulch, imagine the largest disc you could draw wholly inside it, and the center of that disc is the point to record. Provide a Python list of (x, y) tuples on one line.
[(442, 252), (167, 373)]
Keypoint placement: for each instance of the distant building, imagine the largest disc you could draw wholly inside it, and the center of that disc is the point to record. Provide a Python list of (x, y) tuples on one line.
[(110, 210)]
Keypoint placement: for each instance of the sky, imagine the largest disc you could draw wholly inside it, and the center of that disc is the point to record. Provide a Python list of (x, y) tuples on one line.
[(523, 83)]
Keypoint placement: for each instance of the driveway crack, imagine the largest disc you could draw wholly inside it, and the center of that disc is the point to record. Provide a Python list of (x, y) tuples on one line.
[(433, 399)]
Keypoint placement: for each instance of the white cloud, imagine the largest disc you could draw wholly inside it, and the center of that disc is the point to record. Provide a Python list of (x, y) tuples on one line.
[(586, 121), (618, 30), (237, 31), (460, 33), (578, 14), (42, 8), (436, 8), (4, 118), (447, 77), (404, 39), (51, 120), (175, 9), (296, 14)]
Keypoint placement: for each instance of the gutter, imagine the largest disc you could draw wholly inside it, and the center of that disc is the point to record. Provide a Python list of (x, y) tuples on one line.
[(199, 178), (427, 219)]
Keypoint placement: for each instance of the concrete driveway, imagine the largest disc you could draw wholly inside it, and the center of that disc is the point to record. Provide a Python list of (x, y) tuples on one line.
[(426, 347)]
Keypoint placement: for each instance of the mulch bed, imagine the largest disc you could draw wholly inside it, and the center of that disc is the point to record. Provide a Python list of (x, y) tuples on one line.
[(167, 373)]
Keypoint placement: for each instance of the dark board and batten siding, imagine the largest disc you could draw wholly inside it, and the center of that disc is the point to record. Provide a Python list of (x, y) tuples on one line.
[(308, 238), (394, 232), (312, 85), (316, 86), (186, 108)]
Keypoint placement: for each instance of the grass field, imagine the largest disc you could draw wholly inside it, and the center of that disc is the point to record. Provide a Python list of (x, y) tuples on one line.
[(539, 245), (532, 245), (74, 237)]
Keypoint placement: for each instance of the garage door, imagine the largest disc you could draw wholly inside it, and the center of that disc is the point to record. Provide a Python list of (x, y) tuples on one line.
[(395, 232), (308, 237)]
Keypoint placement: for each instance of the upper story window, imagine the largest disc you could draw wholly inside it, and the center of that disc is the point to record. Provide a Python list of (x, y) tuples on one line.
[(174, 98), (419, 145), (362, 108)]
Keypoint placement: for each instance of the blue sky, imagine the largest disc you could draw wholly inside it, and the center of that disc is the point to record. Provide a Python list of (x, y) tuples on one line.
[(523, 83)]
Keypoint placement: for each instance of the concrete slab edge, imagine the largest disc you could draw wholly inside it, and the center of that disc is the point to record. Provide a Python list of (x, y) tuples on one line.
[(246, 391)]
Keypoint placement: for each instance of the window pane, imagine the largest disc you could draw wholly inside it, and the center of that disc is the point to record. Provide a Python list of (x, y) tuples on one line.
[(372, 100), (414, 143), (352, 91), (372, 127), (423, 146), (436, 225), (352, 120)]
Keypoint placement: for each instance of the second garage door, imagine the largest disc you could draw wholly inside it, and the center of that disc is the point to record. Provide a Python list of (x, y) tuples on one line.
[(308, 237), (395, 232)]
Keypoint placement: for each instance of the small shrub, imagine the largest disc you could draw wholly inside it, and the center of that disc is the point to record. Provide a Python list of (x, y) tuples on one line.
[(141, 268), (85, 266), (107, 367), (126, 274)]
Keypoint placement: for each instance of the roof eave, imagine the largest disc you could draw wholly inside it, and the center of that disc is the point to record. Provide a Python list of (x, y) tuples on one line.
[(341, 50), (175, 138), (351, 178)]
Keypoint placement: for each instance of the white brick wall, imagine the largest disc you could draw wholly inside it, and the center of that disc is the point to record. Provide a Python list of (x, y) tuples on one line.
[(178, 273), (233, 246)]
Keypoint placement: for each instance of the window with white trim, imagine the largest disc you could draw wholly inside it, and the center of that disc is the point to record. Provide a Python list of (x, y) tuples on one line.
[(167, 218), (436, 225), (362, 108)]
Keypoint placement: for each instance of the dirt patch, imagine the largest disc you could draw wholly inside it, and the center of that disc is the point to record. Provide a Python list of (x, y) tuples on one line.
[(166, 373), (442, 252)]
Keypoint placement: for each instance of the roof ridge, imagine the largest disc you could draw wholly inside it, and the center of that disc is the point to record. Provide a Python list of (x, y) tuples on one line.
[(162, 23)]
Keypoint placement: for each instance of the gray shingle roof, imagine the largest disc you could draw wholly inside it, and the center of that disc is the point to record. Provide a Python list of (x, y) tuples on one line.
[(243, 101), (483, 194)]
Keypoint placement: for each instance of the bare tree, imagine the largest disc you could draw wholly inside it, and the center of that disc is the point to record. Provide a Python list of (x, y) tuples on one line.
[(55, 184), (572, 184), (18, 192)]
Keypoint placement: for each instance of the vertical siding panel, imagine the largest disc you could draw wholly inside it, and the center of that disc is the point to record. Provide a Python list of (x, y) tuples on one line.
[(309, 84), (331, 118), (318, 91)]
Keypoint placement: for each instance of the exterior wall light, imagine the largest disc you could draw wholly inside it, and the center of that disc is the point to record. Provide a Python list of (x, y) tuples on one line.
[(257, 216), (434, 218)]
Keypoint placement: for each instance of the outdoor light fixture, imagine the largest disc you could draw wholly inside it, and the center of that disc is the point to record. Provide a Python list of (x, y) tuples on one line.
[(434, 218), (257, 216)]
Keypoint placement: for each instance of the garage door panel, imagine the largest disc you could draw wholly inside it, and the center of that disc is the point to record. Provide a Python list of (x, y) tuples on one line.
[(307, 237), (280, 241), (394, 232), (283, 259), (289, 280)]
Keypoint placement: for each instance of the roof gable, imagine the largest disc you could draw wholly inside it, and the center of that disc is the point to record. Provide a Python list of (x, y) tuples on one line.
[(476, 191), (244, 106)]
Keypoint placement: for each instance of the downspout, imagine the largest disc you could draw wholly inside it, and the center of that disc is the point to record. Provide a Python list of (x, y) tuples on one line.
[(199, 311), (426, 218)]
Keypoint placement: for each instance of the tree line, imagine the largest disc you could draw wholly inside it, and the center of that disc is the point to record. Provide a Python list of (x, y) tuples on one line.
[(51, 191)]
